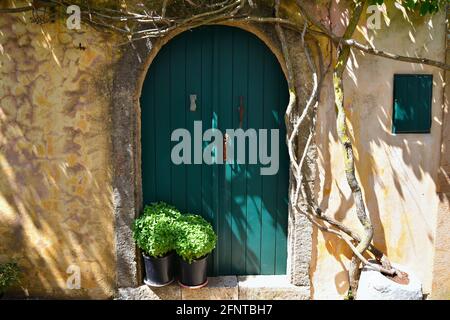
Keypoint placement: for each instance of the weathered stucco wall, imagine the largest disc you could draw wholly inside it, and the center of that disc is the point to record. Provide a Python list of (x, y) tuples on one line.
[(60, 201), (441, 274), (398, 173), (55, 173)]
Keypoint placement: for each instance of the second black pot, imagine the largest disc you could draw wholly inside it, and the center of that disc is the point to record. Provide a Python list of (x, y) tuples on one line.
[(159, 271), (193, 274)]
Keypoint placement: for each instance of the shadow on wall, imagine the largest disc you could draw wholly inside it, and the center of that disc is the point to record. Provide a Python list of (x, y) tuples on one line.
[(441, 276), (397, 172), (55, 199)]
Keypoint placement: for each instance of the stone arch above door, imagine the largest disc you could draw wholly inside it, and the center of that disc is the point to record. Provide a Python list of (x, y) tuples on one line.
[(129, 75)]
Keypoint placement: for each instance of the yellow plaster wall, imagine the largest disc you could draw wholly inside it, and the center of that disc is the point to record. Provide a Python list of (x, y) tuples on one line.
[(441, 274), (398, 173), (55, 174)]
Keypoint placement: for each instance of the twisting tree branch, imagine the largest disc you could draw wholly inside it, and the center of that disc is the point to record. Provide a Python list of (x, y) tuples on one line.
[(374, 51), (292, 92), (120, 16), (323, 31), (344, 139), (16, 10), (343, 232), (338, 72)]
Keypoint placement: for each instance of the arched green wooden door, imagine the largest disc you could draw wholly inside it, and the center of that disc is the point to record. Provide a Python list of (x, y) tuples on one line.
[(249, 211)]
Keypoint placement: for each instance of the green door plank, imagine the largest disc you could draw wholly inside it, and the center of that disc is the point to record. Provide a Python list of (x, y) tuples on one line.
[(162, 118), (239, 179), (254, 186), (193, 86), (207, 115), (177, 113), (216, 170), (225, 92)]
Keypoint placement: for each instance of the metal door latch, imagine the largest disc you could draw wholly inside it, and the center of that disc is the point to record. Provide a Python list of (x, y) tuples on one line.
[(193, 98)]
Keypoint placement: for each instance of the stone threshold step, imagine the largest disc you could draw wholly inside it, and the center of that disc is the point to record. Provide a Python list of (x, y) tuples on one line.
[(223, 288)]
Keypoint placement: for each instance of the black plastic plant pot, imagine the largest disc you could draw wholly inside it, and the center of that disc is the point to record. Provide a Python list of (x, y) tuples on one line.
[(159, 271), (193, 275)]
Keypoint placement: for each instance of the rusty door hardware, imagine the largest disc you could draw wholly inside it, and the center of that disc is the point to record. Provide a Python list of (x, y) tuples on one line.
[(193, 98), (225, 144)]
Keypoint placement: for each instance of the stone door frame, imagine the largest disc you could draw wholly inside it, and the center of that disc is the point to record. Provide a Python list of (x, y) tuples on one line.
[(129, 75)]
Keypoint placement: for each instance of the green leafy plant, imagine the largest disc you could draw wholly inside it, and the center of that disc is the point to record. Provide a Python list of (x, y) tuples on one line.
[(9, 275), (422, 6), (162, 228), (162, 208), (195, 237), (153, 231)]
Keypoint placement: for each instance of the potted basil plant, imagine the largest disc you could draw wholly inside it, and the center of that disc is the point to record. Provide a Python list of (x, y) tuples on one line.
[(195, 240), (154, 235)]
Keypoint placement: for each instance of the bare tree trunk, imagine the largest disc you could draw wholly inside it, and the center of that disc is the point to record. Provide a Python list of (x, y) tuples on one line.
[(344, 139)]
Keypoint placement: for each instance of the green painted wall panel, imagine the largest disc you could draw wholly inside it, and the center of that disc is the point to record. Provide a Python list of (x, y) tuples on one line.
[(248, 211)]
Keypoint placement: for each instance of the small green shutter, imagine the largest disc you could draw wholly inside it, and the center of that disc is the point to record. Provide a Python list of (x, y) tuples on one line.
[(412, 103)]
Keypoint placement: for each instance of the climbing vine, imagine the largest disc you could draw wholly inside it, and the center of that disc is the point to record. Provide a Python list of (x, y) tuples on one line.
[(138, 20)]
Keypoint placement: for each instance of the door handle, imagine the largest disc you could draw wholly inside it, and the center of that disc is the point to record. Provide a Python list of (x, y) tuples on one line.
[(224, 150), (193, 98)]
